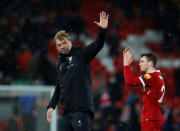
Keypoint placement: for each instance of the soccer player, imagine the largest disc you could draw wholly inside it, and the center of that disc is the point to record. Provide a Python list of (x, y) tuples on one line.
[(153, 89), (74, 86)]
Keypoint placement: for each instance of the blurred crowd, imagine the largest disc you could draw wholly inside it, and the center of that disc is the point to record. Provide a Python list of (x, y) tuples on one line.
[(28, 54)]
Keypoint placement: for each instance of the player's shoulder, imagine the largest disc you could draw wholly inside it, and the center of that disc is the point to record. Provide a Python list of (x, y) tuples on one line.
[(155, 74)]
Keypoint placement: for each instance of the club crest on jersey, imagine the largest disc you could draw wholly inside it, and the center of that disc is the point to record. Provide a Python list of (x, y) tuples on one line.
[(70, 59), (147, 76), (70, 62)]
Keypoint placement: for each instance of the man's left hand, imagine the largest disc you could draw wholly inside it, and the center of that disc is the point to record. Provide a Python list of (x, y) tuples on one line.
[(103, 23)]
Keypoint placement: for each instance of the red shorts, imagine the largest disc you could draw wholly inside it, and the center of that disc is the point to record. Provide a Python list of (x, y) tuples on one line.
[(151, 126)]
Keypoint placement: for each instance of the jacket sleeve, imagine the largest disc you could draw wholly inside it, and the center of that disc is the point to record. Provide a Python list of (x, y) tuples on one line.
[(89, 52), (131, 79), (55, 98)]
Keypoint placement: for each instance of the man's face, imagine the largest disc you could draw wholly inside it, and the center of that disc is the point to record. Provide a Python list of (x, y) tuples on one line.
[(63, 46), (144, 64)]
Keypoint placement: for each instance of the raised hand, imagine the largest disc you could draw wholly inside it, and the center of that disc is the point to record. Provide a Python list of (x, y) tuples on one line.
[(127, 56), (103, 23)]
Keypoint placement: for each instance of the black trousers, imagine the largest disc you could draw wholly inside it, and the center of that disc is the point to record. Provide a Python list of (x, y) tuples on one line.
[(78, 121)]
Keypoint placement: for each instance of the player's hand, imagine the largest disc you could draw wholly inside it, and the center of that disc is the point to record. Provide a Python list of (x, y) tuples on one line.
[(127, 56), (49, 113), (103, 23)]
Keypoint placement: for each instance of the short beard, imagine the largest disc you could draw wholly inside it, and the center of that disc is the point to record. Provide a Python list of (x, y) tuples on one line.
[(67, 51)]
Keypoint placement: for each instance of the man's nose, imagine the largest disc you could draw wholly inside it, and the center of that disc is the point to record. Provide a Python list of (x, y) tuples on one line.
[(62, 47)]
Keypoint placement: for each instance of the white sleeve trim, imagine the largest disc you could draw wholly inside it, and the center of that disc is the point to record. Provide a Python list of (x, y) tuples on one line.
[(142, 81)]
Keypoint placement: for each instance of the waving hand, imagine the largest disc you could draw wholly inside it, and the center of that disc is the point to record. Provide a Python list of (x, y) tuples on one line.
[(103, 23)]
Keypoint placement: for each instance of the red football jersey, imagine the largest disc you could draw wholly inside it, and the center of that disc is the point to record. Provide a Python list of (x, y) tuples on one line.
[(153, 92)]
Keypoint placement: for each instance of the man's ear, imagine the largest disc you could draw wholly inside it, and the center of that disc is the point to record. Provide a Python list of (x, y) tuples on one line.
[(151, 63)]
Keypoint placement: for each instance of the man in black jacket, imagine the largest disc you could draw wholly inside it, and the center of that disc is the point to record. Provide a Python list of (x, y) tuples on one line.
[(74, 86)]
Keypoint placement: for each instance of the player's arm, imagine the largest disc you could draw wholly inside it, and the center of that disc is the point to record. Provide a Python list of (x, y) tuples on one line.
[(91, 51), (130, 78)]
